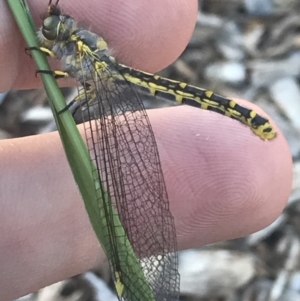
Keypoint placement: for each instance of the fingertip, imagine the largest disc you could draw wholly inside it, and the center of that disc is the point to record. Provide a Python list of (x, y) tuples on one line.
[(270, 163), (147, 35), (223, 181)]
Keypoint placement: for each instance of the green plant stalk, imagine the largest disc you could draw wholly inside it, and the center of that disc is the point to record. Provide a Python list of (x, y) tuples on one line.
[(82, 166)]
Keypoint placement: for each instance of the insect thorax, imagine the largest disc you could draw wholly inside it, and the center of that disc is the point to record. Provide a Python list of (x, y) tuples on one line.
[(80, 51)]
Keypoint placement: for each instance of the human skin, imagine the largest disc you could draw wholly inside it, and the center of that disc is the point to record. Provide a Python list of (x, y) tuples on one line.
[(222, 180)]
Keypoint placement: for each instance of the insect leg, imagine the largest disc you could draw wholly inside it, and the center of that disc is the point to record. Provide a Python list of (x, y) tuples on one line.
[(42, 49), (56, 73), (85, 97)]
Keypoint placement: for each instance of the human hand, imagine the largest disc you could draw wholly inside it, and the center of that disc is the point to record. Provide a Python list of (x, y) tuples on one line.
[(222, 180)]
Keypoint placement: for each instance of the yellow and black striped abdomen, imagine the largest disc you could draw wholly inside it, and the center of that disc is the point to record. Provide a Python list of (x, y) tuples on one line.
[(183, 93)]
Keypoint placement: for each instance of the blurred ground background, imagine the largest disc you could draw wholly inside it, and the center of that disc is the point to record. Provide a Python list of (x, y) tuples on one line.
[(240, 48)]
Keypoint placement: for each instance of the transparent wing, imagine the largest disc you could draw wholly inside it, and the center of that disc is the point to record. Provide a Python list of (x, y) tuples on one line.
[(122, 143)]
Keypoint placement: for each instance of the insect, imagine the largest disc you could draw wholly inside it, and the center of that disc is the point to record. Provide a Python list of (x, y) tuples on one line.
[(124, 151)]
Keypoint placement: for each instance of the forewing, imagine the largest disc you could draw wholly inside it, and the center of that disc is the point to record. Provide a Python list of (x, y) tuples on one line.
[(122, 144)]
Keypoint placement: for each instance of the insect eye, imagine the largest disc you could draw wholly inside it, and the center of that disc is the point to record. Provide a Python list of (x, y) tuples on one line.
[(50, 27)]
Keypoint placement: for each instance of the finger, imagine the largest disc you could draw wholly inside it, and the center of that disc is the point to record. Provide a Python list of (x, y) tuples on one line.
[(148, 35), (222, 180)]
